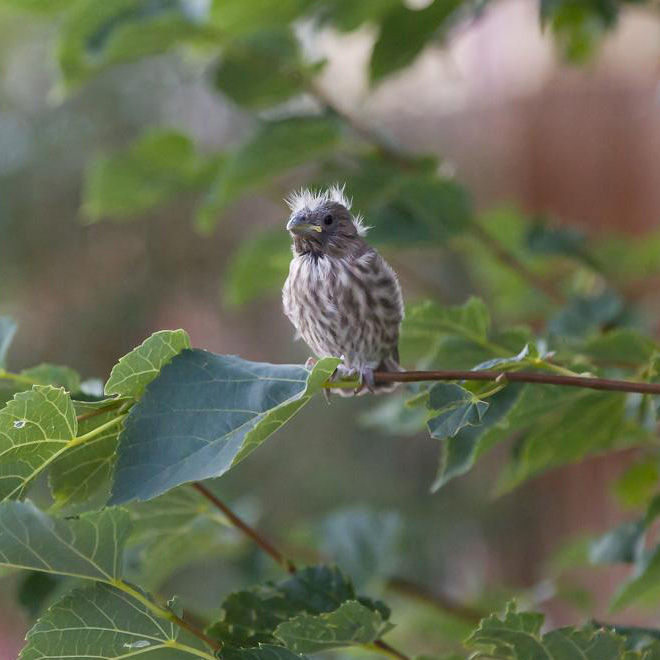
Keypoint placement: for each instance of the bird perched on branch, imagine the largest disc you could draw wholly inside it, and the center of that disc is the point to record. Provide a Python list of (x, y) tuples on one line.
[(342, 297)]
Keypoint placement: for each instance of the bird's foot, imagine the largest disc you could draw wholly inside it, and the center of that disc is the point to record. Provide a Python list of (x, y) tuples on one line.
[(310, 362)]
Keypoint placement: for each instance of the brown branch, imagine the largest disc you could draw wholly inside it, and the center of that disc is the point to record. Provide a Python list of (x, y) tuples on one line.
[(239, 523), (518, 377), (275, 554), (213, 643), (441, 602)]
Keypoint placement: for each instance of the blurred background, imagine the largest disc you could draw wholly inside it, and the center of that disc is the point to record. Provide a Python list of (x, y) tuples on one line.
[(530, 134)]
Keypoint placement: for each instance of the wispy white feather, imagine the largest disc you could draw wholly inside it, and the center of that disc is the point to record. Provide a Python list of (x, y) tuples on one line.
[(307, 199)]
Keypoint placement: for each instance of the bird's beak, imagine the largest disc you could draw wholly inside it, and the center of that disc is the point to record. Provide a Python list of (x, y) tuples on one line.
[(299, 225)]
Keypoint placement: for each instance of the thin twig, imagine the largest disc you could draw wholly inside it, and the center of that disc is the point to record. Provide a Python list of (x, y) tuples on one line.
[(239, 523), (517, 377), (441, 602), (275, 554)]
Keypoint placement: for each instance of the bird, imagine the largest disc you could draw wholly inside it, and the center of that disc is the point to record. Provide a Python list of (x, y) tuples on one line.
[(343, 299)]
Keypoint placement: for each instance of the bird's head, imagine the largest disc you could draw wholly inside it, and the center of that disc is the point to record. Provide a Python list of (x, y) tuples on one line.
[(322, 223)]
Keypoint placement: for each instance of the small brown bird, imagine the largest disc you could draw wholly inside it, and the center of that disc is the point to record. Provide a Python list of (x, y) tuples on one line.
[(342, 297)]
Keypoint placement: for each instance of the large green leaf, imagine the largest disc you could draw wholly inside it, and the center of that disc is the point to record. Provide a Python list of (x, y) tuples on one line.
[(275, 147), (262, 70), (405, 32), (517, 636), (584, 423), (7, 332), (35, 428), (131, 375), (203, 415), (105, 623), (99, 35), (87, 547), (155, 169), (258, 267), (352, 623), (80, 478), (453, 408), (249, 617)]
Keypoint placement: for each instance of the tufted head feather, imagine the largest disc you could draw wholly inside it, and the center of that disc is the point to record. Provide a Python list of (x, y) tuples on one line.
[(307, 199)]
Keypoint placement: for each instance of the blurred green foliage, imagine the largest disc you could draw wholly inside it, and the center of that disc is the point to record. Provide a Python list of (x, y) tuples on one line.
[(559, 305)]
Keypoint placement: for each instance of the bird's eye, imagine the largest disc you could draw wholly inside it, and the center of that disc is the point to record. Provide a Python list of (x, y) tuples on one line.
[(328, 219)]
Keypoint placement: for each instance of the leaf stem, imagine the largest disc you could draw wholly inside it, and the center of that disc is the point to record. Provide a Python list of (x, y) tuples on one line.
[(17, 378), (165, 613), (518, 377), (79, 440)]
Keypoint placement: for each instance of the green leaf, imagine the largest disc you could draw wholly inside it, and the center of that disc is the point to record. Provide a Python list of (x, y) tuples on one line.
[(586, 314), (36, 590), (250, 617), (155, 169), (98, 36), (80, 478), (645, 579), (350, 624), (7, 332), (87, 547), (637, 484), (35, 428), (55, 375), (456, 408), (38, 6), (264, 652), (103, 622), (621, 347), (203, 415), (578, 26), (175, 530), (237, 18), (517, 636), (348, 15), (428, 320), (275, 147), (546, 240), (422, 209), (131, 375), (587, 423), (363, 542), (262, 70), (405, 32), (258, 267), (459, 453)]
